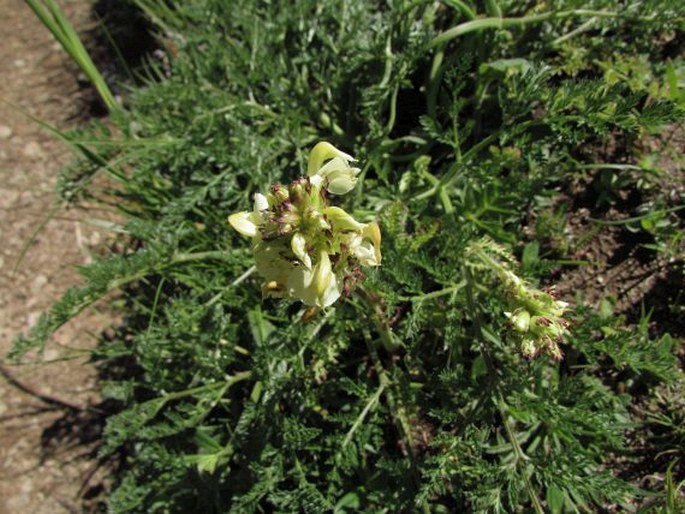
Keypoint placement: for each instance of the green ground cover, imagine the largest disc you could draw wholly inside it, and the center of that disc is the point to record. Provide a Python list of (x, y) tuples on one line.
[(426, 388)]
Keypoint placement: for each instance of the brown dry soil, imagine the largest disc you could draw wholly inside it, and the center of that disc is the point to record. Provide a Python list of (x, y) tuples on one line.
[(44, 446), (617, 263)]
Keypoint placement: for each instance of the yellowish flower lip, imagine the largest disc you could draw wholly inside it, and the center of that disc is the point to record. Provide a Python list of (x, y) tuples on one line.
[(242, 223)]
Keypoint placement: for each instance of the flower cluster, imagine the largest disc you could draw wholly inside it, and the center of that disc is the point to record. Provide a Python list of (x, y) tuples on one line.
[(537, 316), (304, 247)]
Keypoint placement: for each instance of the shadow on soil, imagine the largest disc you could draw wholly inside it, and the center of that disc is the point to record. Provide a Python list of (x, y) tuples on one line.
[(120, 43)]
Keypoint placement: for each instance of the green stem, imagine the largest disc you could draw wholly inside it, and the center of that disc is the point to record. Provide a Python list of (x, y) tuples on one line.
[(463, 7), (392, 393), (398, 410), (360, 419), (379, 321), (503, 23), (434, 294), (181, 258), (451, 174), (238, 377), (584, 27)]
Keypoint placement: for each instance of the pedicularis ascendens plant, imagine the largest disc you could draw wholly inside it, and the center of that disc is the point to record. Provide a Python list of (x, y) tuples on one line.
[(274, 363)]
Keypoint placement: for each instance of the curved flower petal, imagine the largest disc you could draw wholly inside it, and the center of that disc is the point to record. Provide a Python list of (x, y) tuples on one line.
[(340, 177), (316, 181), (243, 223), (260, 202), (322, 152), (341, 220), (319, 287), (341, 184), (373, 232), (298, 244), (323, 274)]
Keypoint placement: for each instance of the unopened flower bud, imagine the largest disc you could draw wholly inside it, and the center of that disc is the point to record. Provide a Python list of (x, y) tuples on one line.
[(528, 348), (297, 191), (280, 193), (520, 320)]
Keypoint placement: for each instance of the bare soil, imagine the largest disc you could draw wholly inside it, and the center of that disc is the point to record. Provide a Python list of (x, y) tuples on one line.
[(617, 262), (46, 461)]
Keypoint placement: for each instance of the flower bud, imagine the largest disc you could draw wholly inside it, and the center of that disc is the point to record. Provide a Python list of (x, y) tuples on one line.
[(280, 193), (520, 320), (297, 191), (529, 348)]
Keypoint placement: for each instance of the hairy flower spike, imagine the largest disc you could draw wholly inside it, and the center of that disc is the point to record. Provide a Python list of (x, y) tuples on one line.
[(305, 248), (536, 316)]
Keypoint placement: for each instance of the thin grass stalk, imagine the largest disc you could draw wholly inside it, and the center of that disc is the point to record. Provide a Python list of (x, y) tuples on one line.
[(53, 18)]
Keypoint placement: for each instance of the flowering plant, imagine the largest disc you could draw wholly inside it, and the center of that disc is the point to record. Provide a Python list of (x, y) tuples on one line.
[(304, 247)]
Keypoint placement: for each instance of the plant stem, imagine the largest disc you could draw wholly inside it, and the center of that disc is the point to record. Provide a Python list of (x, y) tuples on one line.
[(461, 161), (397, 409), (463, 7), (387, 386), (234, 379), (502, 23), (434, 294)]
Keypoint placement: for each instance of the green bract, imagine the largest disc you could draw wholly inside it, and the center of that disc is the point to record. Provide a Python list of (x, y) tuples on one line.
[(304, 248)]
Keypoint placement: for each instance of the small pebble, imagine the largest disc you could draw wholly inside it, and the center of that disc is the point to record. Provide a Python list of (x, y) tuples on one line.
[(50, 355), (32, 318), (33, 150), (5, 132), (38, 283)]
